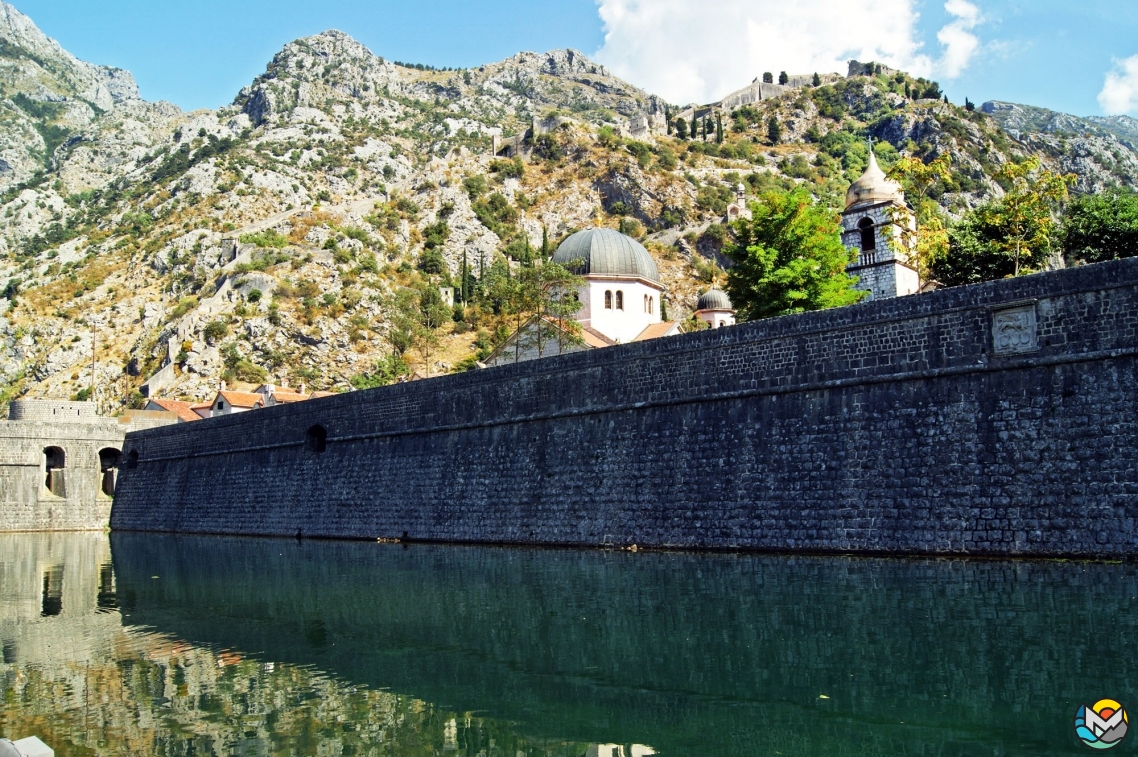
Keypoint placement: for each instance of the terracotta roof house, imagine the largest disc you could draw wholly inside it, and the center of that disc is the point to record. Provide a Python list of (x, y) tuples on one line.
[(227, 403), (184, 410)]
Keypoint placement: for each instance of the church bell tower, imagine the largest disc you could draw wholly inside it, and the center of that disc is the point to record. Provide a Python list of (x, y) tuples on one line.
[(880, 227)]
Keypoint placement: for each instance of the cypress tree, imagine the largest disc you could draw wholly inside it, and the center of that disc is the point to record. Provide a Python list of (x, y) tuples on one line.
[(783, 78), (545, 237), (718, 128), (663, 308), (694, 126), (817, 80)]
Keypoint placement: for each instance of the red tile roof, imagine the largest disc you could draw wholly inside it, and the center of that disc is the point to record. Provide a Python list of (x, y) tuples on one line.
[(655, 331), (241, 399), (184, 410)]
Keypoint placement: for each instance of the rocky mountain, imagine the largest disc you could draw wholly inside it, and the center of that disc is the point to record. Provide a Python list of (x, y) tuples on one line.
[(264, 240)]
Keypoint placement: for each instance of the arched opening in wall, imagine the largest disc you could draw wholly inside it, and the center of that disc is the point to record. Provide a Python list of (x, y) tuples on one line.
[(608, 300), (109, 460), (620, 300), (651, 306), (54, 461), (316, 439), (52, 603), (868, 235)]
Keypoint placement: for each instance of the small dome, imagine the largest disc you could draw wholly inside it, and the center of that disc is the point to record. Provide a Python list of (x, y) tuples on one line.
[(714, 299), (607, 252), (873, 187)]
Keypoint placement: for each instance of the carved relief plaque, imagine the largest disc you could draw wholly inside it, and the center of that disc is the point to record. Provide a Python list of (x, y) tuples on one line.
[(1013, 330)]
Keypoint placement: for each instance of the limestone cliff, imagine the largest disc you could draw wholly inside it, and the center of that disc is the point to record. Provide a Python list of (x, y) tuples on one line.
[(264, 239)]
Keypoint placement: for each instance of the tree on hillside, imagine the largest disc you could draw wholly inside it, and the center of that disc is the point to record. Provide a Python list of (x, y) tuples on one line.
[(718, 128), (783, 78), (416, 316), (1016, 234), (774, 130), (817, 80), (768, 78), (1101, 227), (681, 128), (1027, 210), (789, 258), (694, 126)]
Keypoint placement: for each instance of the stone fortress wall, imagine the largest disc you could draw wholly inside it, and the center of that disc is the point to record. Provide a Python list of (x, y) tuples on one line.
[(996, 419), (58, 464)]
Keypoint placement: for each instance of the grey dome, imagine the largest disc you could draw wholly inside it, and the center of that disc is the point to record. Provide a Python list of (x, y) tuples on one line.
[(714, 299), (607, 252)]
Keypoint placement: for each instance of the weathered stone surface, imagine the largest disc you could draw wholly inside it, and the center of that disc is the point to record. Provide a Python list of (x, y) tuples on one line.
[(891, 426)]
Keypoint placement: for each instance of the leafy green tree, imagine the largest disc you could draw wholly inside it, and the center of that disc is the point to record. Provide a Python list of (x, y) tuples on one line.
[(768, 78), (783, 78), (1101, 227), (681, 128), (789, 258), (918, 179), (1015, 234), (388, 370), (1027, 211), (817, 80)]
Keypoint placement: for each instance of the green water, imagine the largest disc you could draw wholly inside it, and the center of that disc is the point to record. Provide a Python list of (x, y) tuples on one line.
[(138, 644)]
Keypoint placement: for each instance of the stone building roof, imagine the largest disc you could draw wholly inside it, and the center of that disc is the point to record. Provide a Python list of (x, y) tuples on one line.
[(607, 252), (873, 187), (714, 299)]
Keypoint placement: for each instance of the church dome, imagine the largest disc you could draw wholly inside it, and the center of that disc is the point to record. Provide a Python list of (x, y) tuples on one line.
[(714, 299), (607, 252), (873, 187)]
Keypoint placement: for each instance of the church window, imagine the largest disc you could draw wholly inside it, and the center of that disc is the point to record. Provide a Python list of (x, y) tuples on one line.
[(651, 305), (868, 237), (608, 300), (619, 300)]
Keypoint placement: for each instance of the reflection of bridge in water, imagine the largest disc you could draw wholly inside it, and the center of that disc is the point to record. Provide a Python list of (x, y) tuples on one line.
[(75, 675)]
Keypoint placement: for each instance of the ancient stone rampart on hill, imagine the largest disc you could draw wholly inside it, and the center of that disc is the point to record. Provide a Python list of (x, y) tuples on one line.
[(996, 419)]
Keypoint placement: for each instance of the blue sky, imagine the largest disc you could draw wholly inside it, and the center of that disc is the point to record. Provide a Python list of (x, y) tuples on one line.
[(1053, 53)]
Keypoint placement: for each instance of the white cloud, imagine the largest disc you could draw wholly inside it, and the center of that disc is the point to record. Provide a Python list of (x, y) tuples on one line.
[(960, 44), (1120, 90), (695, 50)]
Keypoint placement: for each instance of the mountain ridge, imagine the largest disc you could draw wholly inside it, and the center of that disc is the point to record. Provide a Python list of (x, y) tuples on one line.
[(264, 240)]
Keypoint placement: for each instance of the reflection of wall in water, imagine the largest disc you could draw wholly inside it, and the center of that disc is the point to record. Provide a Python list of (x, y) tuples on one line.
[(82, 681), (690, 654)]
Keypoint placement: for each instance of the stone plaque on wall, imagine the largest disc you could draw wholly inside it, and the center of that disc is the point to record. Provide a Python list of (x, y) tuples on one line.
[(1013, 330)]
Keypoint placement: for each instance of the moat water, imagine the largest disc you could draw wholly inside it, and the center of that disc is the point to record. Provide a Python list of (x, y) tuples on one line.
[(138, 644)]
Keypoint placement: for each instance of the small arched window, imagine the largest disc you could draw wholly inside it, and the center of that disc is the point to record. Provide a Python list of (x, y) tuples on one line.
[(868, 237), (620, 300), (316, 439), (109, 459), (54, 463), (651, 305), (608, 300)]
